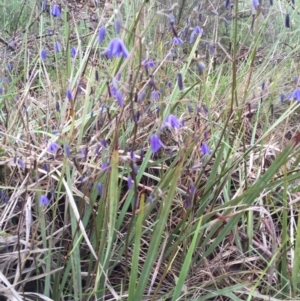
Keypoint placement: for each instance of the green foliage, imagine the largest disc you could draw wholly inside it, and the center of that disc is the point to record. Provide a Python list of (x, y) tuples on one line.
[(125, 222)]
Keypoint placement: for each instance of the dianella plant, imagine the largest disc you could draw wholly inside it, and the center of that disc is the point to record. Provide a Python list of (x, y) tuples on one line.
[(149, 150)]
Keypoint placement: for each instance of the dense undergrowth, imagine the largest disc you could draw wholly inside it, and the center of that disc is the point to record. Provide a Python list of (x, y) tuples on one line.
[(149, 150)]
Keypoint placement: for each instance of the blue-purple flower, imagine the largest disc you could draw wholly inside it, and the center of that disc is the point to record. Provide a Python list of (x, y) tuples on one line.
[(287, 21), (129, 182), (21, 163), (197, 31), (101, 35), (295, 95), (67, 150), (43, 54), (118, 25), (147, 64), (69, 94), (155, 95), (201, 67), (99, 189), (180, 81), (73, 51), (57, 47), (177, 41), (171, 122), (282, 98), (117, 48), (119, 98), (44, 5), (53, 147), (205, 149), (55, 12), (44, 201), (255, 4), (156, 143)]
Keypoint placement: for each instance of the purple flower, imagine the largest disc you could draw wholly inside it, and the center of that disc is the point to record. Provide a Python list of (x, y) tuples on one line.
[(44, 5), (43, 54), (180, 81), (255, 4), (211, 48), (295, 95), (57, 47), (69, 94), (99, 189), (177, 41), (155, 95), (129, 182), (73, 51), (282, 98), (201, 67), (55, 12), (3, 196), (53, 147), (103, 143), (171, 19), (155, 143), (197, 31), (21, 163), (171, 122), (44, 201), (9, 66), (287, 21), (101, 35), (117, 48), (141, 96), (57, 107), (67, 150), (148, 63), (227, 3), (104, 166), (118, 25), (119, 98), (205, 149)]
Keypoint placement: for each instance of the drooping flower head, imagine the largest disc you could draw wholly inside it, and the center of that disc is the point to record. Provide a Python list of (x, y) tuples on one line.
[(53, 147), (177, 41), (287, 21), (43, 54), (69, 94), (155, 95), (255, 4), (180, 81), (117, 48), (201, 67), (73, 51), (101, 35), (57, 47), (156, 143), (55, 12), (197, 31), (44, 201), (205, 149), (171, 122), (119, 98), (295, 95)]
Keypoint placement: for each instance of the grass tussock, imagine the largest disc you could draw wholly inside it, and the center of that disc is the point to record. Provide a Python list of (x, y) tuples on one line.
[(149, 150)]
